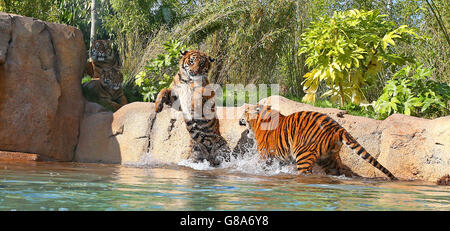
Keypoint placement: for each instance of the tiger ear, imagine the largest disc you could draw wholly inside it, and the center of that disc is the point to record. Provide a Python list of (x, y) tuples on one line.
[(183, 52), (211, 59)]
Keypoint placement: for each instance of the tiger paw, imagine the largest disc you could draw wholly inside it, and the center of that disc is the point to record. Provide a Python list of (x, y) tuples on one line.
[(158, 106)]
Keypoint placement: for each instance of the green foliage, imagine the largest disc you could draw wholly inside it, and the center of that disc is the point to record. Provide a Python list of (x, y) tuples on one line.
[(86, 79), (246, 37), (236, 97), (411, 92), (31, 8), (159, 71), (347, 50)]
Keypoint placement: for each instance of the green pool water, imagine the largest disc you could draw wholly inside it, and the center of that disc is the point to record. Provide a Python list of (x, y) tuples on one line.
[(72, 186)]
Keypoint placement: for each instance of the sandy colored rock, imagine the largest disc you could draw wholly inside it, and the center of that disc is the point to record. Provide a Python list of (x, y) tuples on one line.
[(18, 156), (169, 138), (117, 138), (41, 104), (416, 148)]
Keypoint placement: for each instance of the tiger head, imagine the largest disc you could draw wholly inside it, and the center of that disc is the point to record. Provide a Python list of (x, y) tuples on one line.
[(195, 65), (259, 117), (102, 51), (111, 78)]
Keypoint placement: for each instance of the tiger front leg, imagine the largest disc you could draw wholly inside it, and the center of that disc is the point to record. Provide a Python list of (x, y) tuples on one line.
[(109, 103), (164, 97), (123, 100)]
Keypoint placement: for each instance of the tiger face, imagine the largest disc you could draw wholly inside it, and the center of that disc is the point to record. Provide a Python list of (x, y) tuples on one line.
[(102, 51), (111, 78), (252, 112), (260, 117), (195, 65)]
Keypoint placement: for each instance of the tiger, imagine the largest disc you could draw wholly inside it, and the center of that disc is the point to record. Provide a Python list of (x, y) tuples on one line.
[(107, 90), (106, 85), (191, 93), (304, 137), (102, 55)]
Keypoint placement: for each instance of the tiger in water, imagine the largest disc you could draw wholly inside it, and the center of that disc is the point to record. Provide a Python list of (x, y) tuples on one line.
[(191, 93), (305, 137), (105, 87)]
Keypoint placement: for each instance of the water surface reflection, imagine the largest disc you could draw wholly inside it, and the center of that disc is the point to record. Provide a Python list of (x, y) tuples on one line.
[(74, 186)]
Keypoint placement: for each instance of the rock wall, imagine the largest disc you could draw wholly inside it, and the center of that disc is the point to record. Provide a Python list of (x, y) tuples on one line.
[(41, 103), (115, 138)]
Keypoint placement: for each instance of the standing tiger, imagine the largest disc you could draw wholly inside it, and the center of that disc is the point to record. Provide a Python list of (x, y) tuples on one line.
[(106, 86), (191, 93), (306, 137)]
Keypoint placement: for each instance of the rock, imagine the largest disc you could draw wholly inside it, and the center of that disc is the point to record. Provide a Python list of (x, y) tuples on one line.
[(18, 156), (169, 138), (41, 103), (116, 138), (416, 148)]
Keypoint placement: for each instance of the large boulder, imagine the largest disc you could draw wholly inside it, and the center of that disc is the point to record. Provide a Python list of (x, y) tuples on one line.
[(115, 138), (41, 103)]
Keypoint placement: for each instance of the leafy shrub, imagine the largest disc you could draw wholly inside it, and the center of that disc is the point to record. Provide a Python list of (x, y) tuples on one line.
[(158, 73), (347, 50), (412, 92)]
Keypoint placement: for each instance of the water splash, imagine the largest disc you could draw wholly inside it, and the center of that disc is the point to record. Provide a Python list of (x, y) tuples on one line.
[(252, 163), (249, 162), (145, 160), (205, 165)]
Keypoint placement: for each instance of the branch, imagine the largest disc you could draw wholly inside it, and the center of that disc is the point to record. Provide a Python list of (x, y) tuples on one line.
[(439, 20)]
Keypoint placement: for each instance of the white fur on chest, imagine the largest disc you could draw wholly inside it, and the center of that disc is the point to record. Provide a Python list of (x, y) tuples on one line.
[(184, 94)]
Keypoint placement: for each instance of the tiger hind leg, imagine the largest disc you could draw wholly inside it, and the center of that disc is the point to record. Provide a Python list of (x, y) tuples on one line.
[(332, 165), (305, 161)]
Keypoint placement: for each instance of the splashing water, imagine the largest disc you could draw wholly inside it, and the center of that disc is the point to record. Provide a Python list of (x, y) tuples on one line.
[(250, 162)]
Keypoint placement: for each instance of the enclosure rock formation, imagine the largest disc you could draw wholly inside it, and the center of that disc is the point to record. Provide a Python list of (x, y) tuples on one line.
[(41, 66), (115, 138)]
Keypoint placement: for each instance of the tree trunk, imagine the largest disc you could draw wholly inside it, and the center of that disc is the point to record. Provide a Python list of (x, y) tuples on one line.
[(341, 91), (437, 15), (93, 23)]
